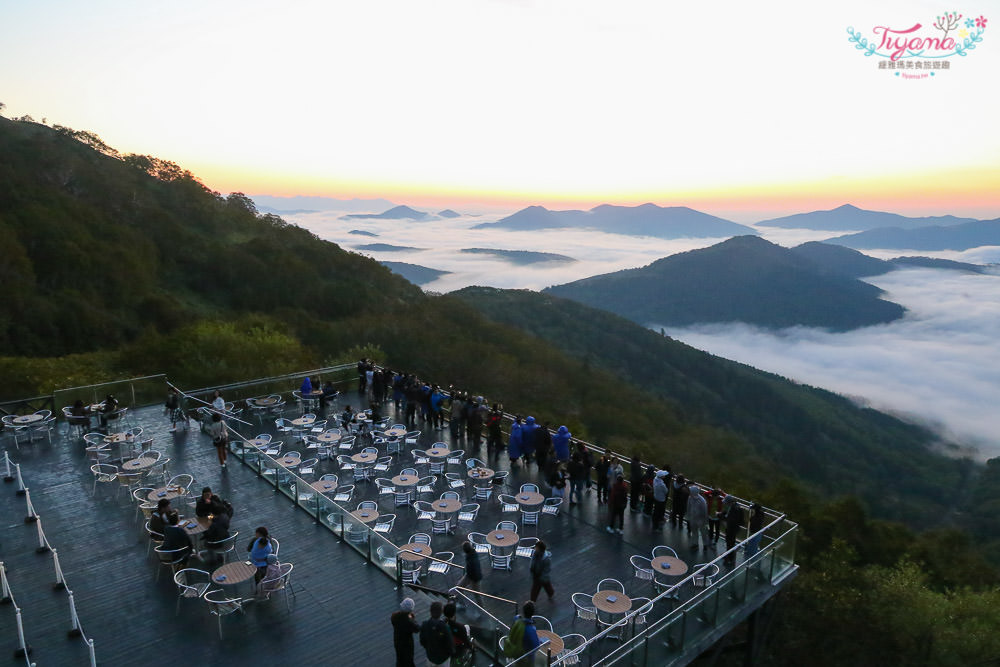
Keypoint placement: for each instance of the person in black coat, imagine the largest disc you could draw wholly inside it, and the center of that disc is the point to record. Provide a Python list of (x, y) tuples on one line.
[(209, 503), (175, 537), (473, 571), (735, 518), (404, 626), (635, 483)]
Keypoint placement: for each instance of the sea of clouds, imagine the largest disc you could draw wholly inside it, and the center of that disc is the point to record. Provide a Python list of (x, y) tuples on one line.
[(938, 366)]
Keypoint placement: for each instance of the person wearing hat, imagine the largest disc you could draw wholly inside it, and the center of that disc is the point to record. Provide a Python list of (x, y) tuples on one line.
[(404, 626), (660, 492)]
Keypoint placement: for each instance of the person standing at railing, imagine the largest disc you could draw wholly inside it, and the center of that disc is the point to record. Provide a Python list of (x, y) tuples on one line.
[(586, 463), (494, 432), (475, 416), (528, 431), (697, 517), (543, 447), (404, 626), (560, 443), (756, 523), (306, 388), (735, 518), (514, 442), (714, 498), (679, 505), (635, 483), (602, 468), (660, 492), (616, 505)]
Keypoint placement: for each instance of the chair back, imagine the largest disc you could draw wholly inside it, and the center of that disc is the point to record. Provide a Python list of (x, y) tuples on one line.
[(611, 585), (507, 526), (420, 538)]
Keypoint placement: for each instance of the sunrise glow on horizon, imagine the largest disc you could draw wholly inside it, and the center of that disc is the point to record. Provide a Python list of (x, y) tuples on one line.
[(744, 112)]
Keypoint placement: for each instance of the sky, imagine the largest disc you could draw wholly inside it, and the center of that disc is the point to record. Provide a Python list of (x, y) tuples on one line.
[(742, 110)]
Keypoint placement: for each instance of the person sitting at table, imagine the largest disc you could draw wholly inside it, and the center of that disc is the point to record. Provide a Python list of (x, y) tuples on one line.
[(347, 418), (306, 388), (109, 408), (218, 402), (260, 549), (209, 503), (218, 530), (79, 414), (329, 392), (159, 519), (175, 537), (270, 582)]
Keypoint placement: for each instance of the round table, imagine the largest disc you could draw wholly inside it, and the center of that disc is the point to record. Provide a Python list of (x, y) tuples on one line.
[(509, 539), (555, 645), (329, 436), (362, 417), (28, 419), (259, 443), (438, 452), (116, 438), (364, 457), (481, 474), (422, 552), (620, 605), (264, 402), (404, 481), (396, 432), (677, 567), (324, 486), (529, 498), (365, 516), (141, 463), (449, 506), (235, 573), (201, 524), (163, 492), (288, 461), (303, 421)]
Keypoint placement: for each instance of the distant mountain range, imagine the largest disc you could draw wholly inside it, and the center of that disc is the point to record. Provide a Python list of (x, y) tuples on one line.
[(953, 237), (671, 222), (448, 213), (851, 218), (361, 232), (395, 213), (416, 274), (303, 204), (520, 257), (743, 279), (844, 261)]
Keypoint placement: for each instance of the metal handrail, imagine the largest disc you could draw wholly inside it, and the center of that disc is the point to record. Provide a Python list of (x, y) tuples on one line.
[(274, 378), (485, 595), (668, 592)]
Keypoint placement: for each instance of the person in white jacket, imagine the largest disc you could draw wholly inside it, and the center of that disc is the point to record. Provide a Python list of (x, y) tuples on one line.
[(697, 517)]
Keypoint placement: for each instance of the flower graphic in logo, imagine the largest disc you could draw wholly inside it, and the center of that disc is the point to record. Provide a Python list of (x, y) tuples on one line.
[(969, 23), (980, 22), (921, 44), (963, 33)]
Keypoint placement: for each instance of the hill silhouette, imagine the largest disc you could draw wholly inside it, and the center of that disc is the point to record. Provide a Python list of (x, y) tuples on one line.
[(395, 213), (671, 222), (415, 273), (852, 218), (953, 237), (743, 279), (519, 257)]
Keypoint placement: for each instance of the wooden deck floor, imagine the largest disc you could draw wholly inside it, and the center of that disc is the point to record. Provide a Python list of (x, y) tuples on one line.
[(340, 610)]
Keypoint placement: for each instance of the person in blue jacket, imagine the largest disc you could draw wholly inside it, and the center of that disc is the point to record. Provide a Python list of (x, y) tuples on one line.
[(514, 443), (530, 641), (306, 388), (528, 439), (560, 443)]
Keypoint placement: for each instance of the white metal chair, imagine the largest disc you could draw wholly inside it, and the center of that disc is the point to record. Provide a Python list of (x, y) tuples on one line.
[(385, 487), (384, 523), (611, 585), (344, 493), (104, 473), (585, 609), (307, 468), (526, 547), (508, 503), (219, 605), (191, 583), (440, 526), (223, 547), (171, 558), (426, 484), (450, 495), (279, 584), (479, 542), (572, 644), (424, 510), (382, 465), (529, 517), (507, 527), (438, 567), (643, 567), (551, 506), (455, 457), (419, 457), (704, 578), (500, 557), (368, 505), (663, 551), (529, 488), (468, 512)]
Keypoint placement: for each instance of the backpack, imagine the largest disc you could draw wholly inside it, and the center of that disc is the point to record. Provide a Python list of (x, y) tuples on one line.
[(227, 507), (514, 647)]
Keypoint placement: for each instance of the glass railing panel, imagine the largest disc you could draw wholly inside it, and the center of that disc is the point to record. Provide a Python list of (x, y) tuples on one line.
[(382, 553), (356, 534), (305, 495), (331, 515)]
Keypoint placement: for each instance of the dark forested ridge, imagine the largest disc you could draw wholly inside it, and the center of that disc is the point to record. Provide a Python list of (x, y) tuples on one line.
[(98, 248), (743, 279), (134, 267)]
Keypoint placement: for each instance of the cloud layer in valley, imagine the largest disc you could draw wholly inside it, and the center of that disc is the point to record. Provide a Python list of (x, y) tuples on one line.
[(939, 366)]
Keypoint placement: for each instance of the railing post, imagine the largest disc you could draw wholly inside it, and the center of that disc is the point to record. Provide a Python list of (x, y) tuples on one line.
[(32, 517), (60, 579), (74, 630), (20, 480), (6, 587), (24, 650), (8, 477), (42, 543)]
